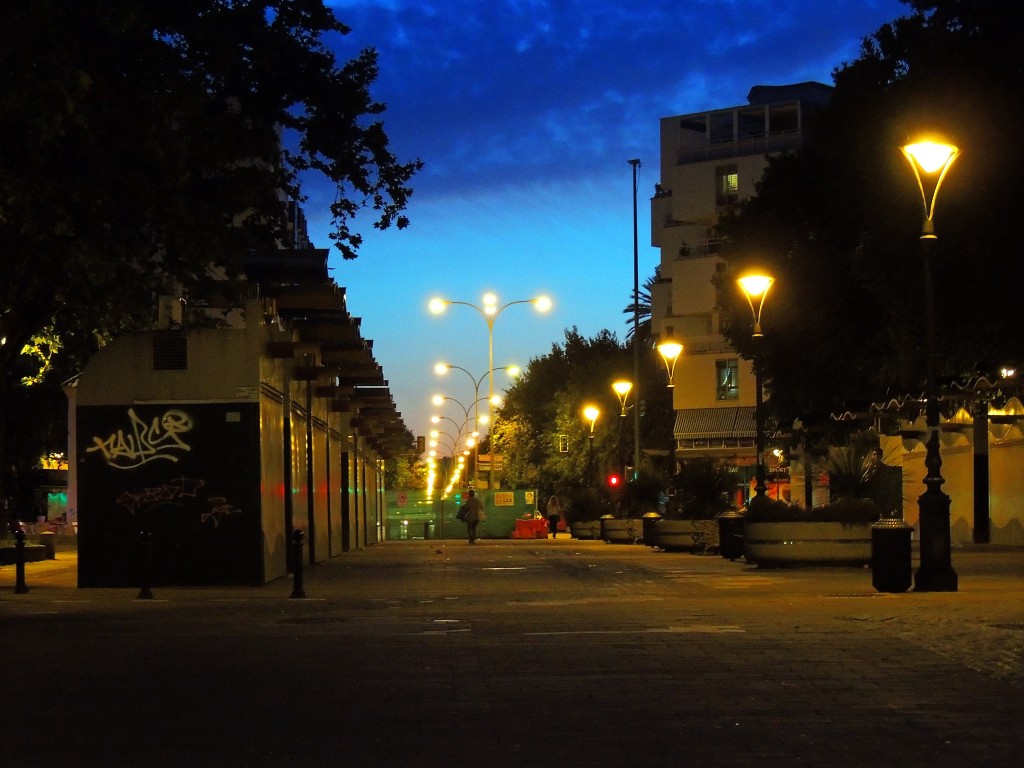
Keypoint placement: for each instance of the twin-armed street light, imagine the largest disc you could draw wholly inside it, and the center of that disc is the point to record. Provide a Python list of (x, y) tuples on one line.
[(931, 161), (755, 288), (489, 309)]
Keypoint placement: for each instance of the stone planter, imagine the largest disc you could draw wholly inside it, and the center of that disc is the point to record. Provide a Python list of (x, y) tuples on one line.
[(794, 544), (587, 529), (675, 535), (616, 531)]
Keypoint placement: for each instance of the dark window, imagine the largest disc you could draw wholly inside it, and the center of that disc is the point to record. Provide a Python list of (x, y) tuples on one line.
[(728, 386), (170, 353)]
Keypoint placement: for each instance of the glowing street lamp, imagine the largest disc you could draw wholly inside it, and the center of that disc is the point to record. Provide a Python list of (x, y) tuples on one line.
[(591, 412), (755, 288), (670, 352), (622, 389), (931, 161)]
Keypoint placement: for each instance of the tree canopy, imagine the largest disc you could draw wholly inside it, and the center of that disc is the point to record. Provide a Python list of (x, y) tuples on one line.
[(837, 223), (547, 400), (146, 144)]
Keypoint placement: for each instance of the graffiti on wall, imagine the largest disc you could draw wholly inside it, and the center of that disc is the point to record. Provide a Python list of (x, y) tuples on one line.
[(142, 442), (181, 493)]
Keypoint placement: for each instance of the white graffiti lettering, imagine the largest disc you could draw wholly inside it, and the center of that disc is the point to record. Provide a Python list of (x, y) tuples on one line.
[(219, 509), (145, 442), (143, 499)]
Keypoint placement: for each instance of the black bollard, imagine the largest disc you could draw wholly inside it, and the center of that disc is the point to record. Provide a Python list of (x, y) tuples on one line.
[(145, 593), (20, 587), (297, 590)]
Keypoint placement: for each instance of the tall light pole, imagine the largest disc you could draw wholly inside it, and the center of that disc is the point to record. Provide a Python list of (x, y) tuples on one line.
[(931, 161), (755, 288), (489, 310), (636, 329)]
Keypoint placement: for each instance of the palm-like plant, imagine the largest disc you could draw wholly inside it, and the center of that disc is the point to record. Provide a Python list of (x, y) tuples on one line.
[(642, 307)]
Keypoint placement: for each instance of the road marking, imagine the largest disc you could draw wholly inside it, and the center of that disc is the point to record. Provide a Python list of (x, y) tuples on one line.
[(690, 629)]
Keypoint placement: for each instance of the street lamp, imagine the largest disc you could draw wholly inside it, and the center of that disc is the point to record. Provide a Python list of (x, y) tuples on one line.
[(489, 310), (621, 389), (755, 288), (931, 161), (591, 412), (670, 352)]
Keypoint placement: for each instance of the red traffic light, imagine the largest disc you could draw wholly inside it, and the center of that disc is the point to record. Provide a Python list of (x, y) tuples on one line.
[(613, 481)]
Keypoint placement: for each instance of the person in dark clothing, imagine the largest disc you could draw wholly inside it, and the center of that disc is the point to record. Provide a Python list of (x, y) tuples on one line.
[(473, 514)]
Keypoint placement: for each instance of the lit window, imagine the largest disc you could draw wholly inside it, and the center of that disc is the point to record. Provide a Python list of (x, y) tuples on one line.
[(727, 185), (726, 371)]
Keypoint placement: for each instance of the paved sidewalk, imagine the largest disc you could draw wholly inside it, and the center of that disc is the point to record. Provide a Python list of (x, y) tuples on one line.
[(513, 653)]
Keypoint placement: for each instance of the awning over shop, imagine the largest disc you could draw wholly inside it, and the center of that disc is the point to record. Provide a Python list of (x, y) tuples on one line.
[(715, 423)]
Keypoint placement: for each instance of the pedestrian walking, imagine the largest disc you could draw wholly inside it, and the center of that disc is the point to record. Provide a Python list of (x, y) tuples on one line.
[(555, 514), (473, 515)]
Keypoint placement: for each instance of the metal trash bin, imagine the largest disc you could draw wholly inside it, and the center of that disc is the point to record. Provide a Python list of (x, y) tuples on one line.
[(650, 532), (730, 534), (890, 555)]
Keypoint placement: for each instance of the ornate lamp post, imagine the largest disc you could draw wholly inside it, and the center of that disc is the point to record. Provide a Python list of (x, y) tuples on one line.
[(755, 288), (931, 161), (489, 310)]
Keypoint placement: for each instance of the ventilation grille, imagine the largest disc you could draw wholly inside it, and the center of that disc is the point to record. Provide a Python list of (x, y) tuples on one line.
[(170, 353)]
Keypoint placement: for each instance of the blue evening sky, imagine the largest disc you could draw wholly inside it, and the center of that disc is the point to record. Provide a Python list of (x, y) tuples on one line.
[(526, 113)]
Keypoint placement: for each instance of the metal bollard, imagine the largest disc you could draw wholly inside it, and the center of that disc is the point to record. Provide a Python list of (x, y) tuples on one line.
[(297, 590), (145, 562), (20, 587)]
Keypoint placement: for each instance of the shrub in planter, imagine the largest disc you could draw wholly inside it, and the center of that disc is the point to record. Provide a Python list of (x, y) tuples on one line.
[(845, 511), (700, 491)]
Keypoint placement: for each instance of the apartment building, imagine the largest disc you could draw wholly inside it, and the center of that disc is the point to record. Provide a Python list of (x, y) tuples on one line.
[(710, 161)]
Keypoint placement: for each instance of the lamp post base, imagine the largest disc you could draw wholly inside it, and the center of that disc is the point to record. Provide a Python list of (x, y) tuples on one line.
[(936, 572)]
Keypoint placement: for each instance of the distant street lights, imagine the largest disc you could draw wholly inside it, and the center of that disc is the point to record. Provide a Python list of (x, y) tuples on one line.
[(931, 161), (442, 368), (755, 288), (489, 310)]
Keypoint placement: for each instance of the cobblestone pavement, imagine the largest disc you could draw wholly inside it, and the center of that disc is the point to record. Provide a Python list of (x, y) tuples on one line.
[(545, 653)]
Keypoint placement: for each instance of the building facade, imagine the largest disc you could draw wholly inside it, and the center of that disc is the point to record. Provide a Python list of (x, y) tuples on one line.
[(710, 161), (216, 444)]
